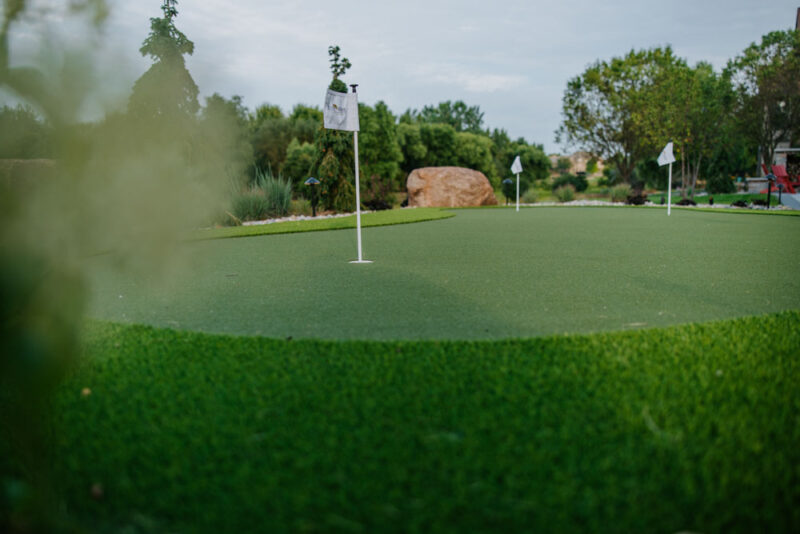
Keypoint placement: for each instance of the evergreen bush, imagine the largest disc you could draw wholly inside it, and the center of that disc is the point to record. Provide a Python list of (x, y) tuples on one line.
[(565, 193), (530, 196), (620, 193), (579, 182)]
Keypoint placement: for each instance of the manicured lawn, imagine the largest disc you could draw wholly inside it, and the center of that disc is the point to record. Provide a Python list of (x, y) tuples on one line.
[(378, 218), (483, 274), (691, 428)]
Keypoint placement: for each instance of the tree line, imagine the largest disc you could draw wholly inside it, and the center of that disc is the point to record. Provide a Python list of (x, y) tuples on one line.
[(626, 109)]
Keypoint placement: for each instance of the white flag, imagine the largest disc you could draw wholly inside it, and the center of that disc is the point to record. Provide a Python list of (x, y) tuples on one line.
[(340, 111), (666, 155), (516, 167)]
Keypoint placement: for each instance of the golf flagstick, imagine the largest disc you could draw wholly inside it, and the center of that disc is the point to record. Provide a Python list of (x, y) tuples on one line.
[(669, 191), (667, 157), (358, 201), (516, 168)]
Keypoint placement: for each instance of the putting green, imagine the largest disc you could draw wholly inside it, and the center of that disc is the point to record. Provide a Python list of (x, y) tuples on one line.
[(482, 274)]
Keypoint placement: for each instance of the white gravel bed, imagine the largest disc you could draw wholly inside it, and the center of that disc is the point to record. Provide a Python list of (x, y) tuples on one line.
[(299, 218)]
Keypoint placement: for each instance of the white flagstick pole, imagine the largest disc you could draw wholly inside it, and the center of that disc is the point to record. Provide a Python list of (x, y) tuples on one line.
[(358, 199), (669, 190), (517, 191), (358, 193)]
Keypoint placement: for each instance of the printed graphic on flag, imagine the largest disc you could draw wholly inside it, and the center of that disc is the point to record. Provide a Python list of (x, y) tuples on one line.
[(516, 167), (666, 155), (340, 111)]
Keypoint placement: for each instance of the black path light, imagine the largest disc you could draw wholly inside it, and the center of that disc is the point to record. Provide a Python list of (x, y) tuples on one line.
[(313, 182), (780, 193), (508, 184), (770, 178)]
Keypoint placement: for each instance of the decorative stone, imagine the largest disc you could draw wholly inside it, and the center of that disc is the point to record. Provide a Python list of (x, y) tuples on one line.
[(449, 187)]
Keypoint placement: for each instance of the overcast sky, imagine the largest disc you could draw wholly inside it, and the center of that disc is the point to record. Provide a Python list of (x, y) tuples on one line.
[(510, 57)]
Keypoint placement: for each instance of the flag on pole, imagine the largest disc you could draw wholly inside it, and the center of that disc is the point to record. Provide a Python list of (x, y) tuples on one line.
[(340, 111), (516, 167), (666, 155)]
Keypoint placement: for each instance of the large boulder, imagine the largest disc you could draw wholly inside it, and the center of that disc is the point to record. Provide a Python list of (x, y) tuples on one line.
[(449, 187)]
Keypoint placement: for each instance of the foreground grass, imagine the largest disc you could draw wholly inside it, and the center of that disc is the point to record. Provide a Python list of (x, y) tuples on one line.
[(377, 218), (689, 428)]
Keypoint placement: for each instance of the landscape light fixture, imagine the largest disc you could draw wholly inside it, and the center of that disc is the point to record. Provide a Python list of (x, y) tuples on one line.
[(507, 183), (313, 182), (780, 193)]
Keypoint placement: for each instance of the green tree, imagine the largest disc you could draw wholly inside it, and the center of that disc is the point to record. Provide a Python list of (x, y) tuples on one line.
[(299, 159), (563, 165), (223, 128), (535, 163), (460, 116), (607, 110), (334, 149), (167, 89), (303, 112), (412, 148), (270, 142), (765, 76), (474, 151), (262, 114), (23, 135), (440, 141), (379, 148)]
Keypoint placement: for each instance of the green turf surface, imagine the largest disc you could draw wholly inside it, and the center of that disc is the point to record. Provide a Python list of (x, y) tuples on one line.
[(691, 428), (481, 274), (378, 218)]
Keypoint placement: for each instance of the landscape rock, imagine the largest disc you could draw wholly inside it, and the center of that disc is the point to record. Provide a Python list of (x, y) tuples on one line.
[(449, 187)]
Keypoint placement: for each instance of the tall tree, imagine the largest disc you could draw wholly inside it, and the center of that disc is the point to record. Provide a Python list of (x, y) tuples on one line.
[(767, 80), (335, 155), (379, 149), (606, 109), (166, 89), (460, 116)]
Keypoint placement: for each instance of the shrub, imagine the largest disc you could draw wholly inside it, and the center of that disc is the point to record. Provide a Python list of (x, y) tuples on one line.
[(687, 202), (300, 206), (720, 185), (739, 204), (565, 193), (277, 192), (636, 200), (620, 193), (530, 196), (251, 205), (610, 177), (579, 182), (377, 194)]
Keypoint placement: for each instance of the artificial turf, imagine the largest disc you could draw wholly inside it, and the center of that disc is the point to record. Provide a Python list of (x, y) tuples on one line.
[(483, 274), (370, 219), (689, 428)]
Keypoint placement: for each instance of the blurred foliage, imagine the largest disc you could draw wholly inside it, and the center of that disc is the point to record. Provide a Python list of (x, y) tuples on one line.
[(23, 135), (565, 193), (130, 186), (578, 182)]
